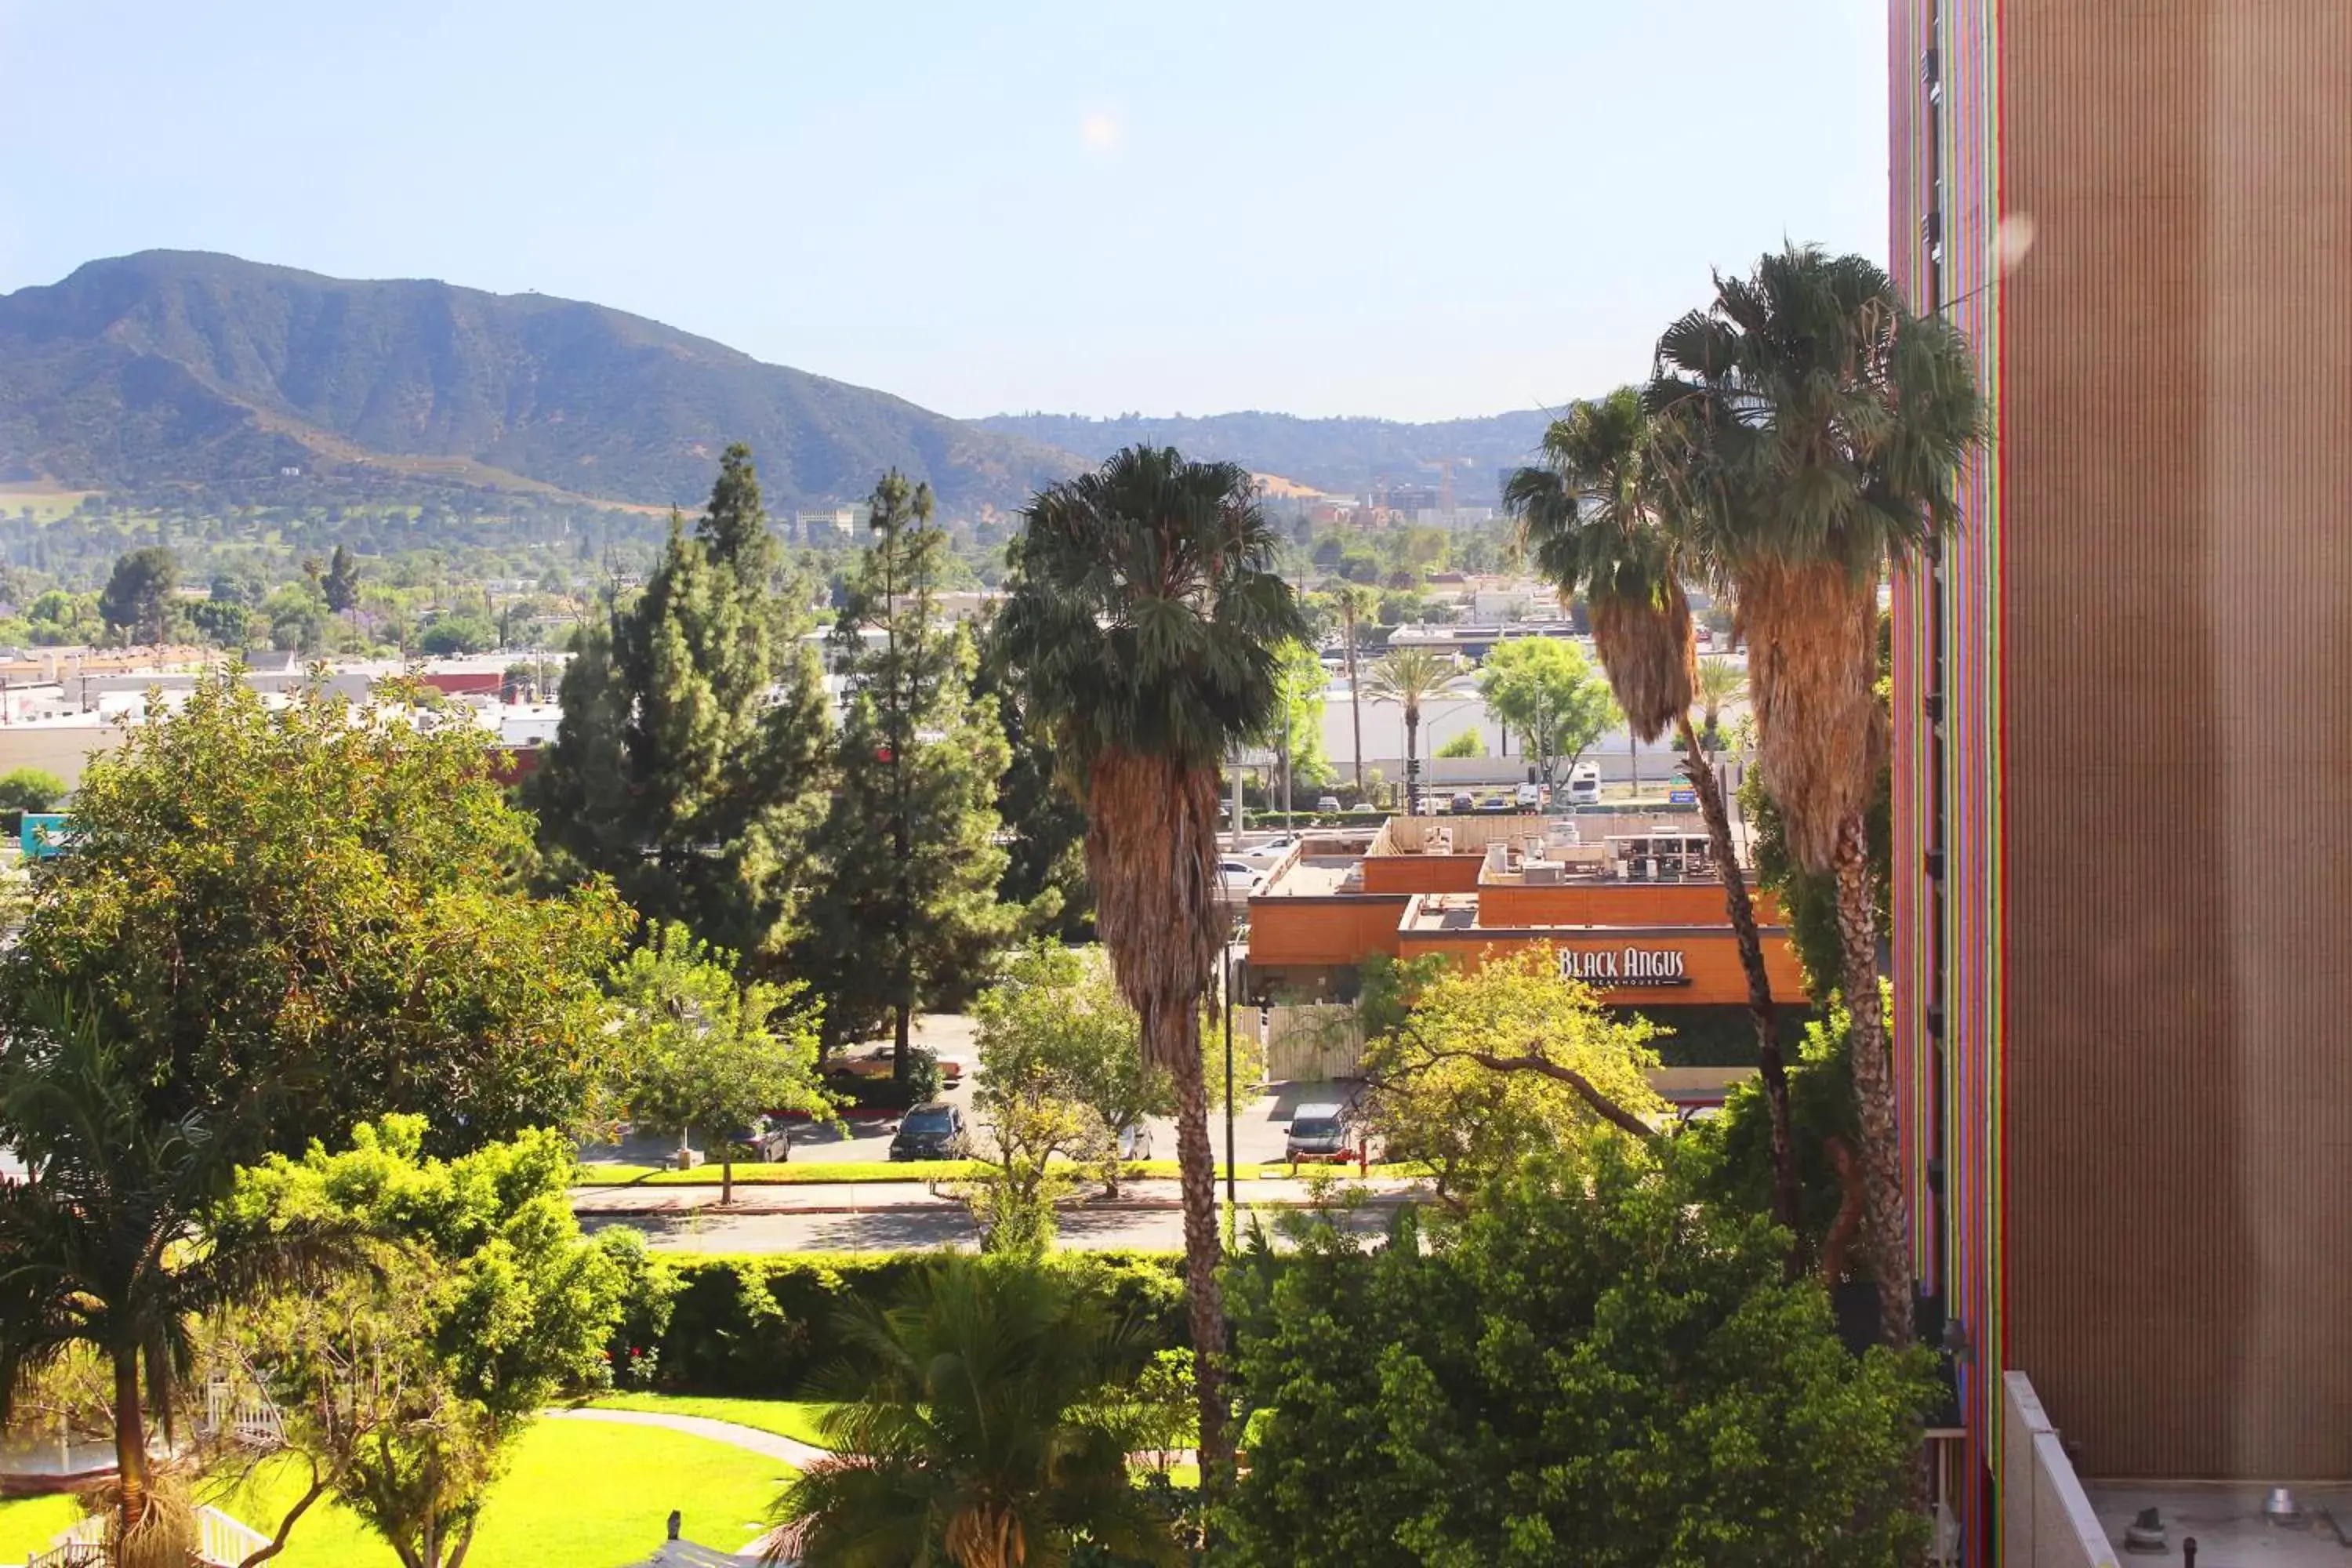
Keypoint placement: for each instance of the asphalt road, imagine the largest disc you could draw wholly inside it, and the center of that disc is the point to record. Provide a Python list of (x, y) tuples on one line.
[(1260, 1125), (899, 1229)]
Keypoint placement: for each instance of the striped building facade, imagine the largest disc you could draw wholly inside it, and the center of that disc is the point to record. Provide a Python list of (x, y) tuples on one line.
[(2123, 705)]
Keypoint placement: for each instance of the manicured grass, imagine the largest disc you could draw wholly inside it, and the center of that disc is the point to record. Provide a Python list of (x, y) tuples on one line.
[(785, 1418), (27, 1525), (579, 1494)]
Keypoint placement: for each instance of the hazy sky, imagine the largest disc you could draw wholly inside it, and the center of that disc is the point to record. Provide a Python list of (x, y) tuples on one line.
[(1416, 209)]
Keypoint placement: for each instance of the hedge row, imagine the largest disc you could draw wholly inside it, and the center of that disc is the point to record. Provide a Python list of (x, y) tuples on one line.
[(764, 1327)]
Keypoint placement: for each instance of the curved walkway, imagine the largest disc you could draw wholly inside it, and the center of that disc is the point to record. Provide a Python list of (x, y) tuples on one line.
[(772, 1445)]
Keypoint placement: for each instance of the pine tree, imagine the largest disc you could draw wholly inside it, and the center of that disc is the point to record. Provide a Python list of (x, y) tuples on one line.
[(688, 762), (910, 913), (342, 580)]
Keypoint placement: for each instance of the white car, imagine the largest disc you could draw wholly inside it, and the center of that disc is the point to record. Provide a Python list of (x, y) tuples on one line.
[(1529, 797), (1239, 877)]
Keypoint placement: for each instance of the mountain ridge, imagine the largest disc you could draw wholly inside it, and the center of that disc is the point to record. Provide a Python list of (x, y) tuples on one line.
[(196, 367)]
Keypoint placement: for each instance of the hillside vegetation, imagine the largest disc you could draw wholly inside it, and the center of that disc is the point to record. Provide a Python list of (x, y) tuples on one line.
[(176, 367)]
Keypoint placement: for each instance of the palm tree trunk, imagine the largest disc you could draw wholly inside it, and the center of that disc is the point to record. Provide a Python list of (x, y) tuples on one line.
[(1412, 764), (1770, 1066), (130, 1440), (1874, 1086), (1203, 1249)]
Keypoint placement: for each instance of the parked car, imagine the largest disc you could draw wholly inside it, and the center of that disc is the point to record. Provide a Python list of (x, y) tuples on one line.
[(1329, 803), (1462, 803), (767, 1141), (1496, 802), (1322, 1133), (933, 1131), (1240, 877), (1530, 797), (1135, 1141)]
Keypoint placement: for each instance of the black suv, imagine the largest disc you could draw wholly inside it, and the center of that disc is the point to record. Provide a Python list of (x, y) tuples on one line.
[(930, 1131)]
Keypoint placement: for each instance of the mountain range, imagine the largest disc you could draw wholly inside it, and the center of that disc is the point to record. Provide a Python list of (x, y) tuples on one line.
[(190, 369), (181, 367), (1344, 457)]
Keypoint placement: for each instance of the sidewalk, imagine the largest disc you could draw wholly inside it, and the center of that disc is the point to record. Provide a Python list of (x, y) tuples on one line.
[(864, 1197)]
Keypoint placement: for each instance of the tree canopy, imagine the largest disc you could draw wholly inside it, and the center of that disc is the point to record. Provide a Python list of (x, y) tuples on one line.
[(137, 599), (1590, 1368), (692, 736), (1548, 692), (318, 907)]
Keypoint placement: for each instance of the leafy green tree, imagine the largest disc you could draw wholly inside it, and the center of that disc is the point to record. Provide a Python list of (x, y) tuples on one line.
[(103, 1248), (1145, 623), (1549, 692), (296, 617), (223, 624), (706, 1052), (689, 759), (1054, 1018), (1483, 1066), (1298, 743), (908, 913), (406, 1382), (1591, 1368), (341, 583), (316, 908), (1466, 744), (448, 634), (57, 617), (30, 789), (137, 599), (981, 1412)]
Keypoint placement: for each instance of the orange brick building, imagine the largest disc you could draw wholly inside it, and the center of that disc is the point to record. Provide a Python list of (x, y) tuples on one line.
[(1635, 911)]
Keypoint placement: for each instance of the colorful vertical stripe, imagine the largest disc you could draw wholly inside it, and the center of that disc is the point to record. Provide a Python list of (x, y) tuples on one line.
[(1952, 130)]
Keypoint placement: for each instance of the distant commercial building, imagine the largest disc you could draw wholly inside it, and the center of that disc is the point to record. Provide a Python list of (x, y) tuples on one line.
[(831, 525), (1632, 904), (2123, 954)]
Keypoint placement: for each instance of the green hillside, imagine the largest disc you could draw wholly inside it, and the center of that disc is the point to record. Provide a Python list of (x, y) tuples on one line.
[(184, 367)]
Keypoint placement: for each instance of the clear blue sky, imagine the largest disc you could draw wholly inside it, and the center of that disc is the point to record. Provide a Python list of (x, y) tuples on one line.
[(1416, 209)]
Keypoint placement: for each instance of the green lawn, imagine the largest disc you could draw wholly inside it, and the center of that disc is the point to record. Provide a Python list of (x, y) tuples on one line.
[(785, 1418), (27, 1525), (579, 1494)]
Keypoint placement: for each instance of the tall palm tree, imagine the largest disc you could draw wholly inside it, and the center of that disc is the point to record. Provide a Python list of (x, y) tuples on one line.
[(1354, 602), (975, 1412), (1145, 622), (1816, 428), (1593, 517), (103, 1244), (1409, 677)]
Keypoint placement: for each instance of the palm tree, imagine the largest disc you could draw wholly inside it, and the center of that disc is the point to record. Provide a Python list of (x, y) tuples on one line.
[(102, 1247), (975, 1432), (1815, 430), (1409, 676), (1593, 516), (1720, 681), (1145, 623), (1354, 602)]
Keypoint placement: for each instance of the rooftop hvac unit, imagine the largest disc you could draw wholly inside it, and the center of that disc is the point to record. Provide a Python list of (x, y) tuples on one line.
[(1441, 840), (1498, 856), (1543, 873)]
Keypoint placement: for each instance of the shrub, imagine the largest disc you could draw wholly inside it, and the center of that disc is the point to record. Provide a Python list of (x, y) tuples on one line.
[(762, 1327)]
